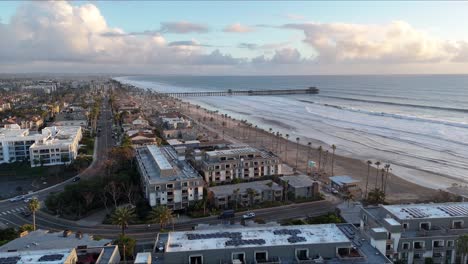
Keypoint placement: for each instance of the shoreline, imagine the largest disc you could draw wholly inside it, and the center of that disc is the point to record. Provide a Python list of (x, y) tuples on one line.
[(402, 188), (398, 189)]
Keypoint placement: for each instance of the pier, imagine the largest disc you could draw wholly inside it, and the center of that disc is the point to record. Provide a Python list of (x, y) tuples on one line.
[(310, 90)]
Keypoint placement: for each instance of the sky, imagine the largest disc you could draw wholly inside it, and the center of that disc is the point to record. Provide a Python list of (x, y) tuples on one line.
[(234, 37)]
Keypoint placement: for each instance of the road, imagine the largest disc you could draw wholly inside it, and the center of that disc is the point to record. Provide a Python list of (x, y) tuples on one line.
[(144, 234), (9, 211)]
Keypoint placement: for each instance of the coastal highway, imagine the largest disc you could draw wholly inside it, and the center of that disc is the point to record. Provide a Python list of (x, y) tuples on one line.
[(145, 234), (103, 143)]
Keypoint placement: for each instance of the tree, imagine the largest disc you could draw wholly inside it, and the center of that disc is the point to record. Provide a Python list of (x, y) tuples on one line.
[(26, 227), (34, 206), (286, 148), (122, 217), (161, 215), (369, 163), (236, 197), (297, 150), (309, 144), (319, 149), (387, 171), (252, 193), (377, 163), (462, 247), (333, 159), (126, 246), (375, 197)]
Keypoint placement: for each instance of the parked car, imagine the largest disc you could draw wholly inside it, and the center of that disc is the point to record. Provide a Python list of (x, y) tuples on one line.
[(226, 214), (334, 191), (76, 179), (28, 199), (26, 213), (17, 198), (249, 215)]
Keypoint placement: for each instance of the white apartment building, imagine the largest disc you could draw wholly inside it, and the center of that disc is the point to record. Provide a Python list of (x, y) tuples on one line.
[(166, 179), (15, 143), (59, 145)]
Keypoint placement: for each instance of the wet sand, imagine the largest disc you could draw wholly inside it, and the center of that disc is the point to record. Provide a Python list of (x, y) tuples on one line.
[(398, 190)]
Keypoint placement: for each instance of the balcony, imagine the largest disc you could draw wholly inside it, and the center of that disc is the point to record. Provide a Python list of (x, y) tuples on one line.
[(270, 260)]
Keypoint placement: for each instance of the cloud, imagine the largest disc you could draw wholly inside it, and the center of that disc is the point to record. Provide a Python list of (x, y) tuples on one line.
[(238, 28), (396, 42), (58, 31), (281, 56), (183, 27), (270, 46)]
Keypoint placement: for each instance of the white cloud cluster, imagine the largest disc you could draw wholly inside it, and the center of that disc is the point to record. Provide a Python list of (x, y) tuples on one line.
[(238, 28), (59, 31), (397, 42)]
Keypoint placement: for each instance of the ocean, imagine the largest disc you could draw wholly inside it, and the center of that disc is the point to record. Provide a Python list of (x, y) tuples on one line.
[(417, 123)]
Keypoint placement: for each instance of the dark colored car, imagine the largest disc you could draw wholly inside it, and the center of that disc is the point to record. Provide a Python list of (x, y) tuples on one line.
[(226, 214), (26, 213), (76, 179)]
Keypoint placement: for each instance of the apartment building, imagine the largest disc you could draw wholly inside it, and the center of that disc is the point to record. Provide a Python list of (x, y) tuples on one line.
[(59, 145), (245, 194), (15, 143), (166, 179), (239, 163), (326, 243), (301, 186), (413, 233)]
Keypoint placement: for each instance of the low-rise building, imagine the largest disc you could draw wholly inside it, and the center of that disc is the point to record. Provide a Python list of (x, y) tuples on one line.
[(327, 243), (71, 118), (51, 256), (239, 163), (15, 143), (59, 145), (345, 184), (245, 194), (301, 186), (413, 232), (167, 180)]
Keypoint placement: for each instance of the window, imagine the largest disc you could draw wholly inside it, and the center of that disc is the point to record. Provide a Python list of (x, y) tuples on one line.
[(261, 256), (405, 225), (388, 247), (406, 245), (449, 243), (418, 244), (458, 224), (238, 256), (196, 259), (417, 256), (438, 243), (425, 226), (302, 254)]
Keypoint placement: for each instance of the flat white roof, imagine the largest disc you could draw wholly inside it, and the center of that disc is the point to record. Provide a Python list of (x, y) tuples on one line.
[(254, 237), (379, 229), (441, 210), (51, 256), (59, 136), (159, 157), (392, 222)]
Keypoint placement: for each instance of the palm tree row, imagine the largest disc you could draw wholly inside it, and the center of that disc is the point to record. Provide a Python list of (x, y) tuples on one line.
[(384, 174)]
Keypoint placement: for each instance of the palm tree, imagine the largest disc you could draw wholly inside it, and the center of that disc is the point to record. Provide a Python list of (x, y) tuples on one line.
[(122, 217), (273, 138), (309, 144), (319, 149), (252, 193), (387, 170), (462, 247), (369, 163), (333, 159), (297, 150), (34, 206), (161, 215), (286, 148), (236, 196), (377, 163)]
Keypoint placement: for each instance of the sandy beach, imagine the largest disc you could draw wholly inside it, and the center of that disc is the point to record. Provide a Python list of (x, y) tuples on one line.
[(398, 189)]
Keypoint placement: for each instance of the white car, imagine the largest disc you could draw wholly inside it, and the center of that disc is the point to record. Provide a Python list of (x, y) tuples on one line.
[(27, 200), (248, 215), (17, 198)]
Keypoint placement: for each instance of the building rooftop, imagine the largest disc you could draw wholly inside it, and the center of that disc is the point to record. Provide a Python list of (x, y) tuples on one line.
[(45, 240), (259, 186), (57, 135), (161, 164), (14, 132), (51, 256), (343, 180), (298, 181), (251, 237), (242, 150), (435, 210)]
